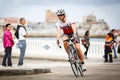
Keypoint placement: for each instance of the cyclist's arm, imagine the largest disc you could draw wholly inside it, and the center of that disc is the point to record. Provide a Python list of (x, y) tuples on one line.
[(74, 28), (58, 33)]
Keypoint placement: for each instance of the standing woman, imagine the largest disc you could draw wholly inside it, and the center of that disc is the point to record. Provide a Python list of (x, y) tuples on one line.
[(8, 43), (86, 42)]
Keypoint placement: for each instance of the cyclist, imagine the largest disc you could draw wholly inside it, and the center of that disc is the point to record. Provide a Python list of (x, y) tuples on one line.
[(69, 30)]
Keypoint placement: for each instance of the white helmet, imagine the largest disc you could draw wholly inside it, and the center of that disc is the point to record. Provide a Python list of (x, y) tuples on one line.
[(61, 11)]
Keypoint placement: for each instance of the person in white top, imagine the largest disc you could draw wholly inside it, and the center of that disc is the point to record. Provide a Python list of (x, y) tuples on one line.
[(22, 40), (69, 30), (22, 33), (118, 42), (1, 36)]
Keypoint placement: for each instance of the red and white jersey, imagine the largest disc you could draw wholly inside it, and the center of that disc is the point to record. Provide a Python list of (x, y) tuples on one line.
[(66, 27)]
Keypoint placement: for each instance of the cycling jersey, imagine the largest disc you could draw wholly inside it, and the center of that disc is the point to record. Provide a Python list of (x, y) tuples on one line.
[(66, 27)]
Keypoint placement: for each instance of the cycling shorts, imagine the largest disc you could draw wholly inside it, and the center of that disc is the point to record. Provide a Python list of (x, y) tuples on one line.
[(77, 40)]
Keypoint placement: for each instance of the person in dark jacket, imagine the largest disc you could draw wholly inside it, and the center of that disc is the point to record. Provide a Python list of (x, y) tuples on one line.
[(86, 42)]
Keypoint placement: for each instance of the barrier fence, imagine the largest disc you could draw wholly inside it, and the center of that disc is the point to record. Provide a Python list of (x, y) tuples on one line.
[(49, 49)]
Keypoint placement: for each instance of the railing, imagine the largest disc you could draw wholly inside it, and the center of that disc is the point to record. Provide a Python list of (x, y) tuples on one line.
[(49, 49)]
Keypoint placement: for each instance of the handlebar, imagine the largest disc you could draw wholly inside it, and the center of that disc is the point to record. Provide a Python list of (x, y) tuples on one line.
[(68, 40)]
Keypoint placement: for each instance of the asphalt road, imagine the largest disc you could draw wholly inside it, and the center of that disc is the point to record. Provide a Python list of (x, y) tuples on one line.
[(96, 70)]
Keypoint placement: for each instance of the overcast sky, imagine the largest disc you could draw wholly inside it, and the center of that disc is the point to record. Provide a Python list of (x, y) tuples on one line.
[(34, 10)]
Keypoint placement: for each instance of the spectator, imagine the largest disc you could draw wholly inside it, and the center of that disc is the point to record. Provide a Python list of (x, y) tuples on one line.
[(86, 42), (4, 28), (108, 47), (22, 40), (8, 43), (118, 42), (113, 31)]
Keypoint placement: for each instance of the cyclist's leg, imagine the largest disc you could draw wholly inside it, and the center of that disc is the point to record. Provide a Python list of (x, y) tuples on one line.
[(80, 54), (65, 42)]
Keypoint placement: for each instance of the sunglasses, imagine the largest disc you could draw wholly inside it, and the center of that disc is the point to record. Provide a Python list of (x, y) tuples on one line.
[(60, 15)]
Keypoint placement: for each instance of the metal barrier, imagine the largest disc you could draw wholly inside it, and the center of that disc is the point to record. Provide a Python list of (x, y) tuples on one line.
[(49, 49)]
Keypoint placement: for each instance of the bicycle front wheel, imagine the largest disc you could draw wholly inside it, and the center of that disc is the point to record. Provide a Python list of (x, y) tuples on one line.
[(80, 69), (73, 61)]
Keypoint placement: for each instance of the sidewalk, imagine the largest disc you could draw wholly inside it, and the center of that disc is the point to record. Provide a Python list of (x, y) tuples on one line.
[(29, 68)]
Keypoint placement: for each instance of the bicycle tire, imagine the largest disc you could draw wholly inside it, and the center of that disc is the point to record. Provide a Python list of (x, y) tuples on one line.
[(79, 66), (73, 63), (81, 70)]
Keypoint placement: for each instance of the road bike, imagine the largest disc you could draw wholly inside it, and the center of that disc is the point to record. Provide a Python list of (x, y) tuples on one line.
[(73, 58)]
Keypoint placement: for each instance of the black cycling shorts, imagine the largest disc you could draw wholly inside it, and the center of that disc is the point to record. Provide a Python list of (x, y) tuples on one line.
[(77, 40)]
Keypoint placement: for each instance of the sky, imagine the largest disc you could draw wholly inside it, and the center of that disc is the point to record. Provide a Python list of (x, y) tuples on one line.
[(34, 10)]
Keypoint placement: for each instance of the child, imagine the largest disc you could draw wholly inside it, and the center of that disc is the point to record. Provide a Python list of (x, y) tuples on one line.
[(108, 47)]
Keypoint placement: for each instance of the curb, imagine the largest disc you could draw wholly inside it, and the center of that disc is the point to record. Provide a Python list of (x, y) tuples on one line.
[(23, 72)]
